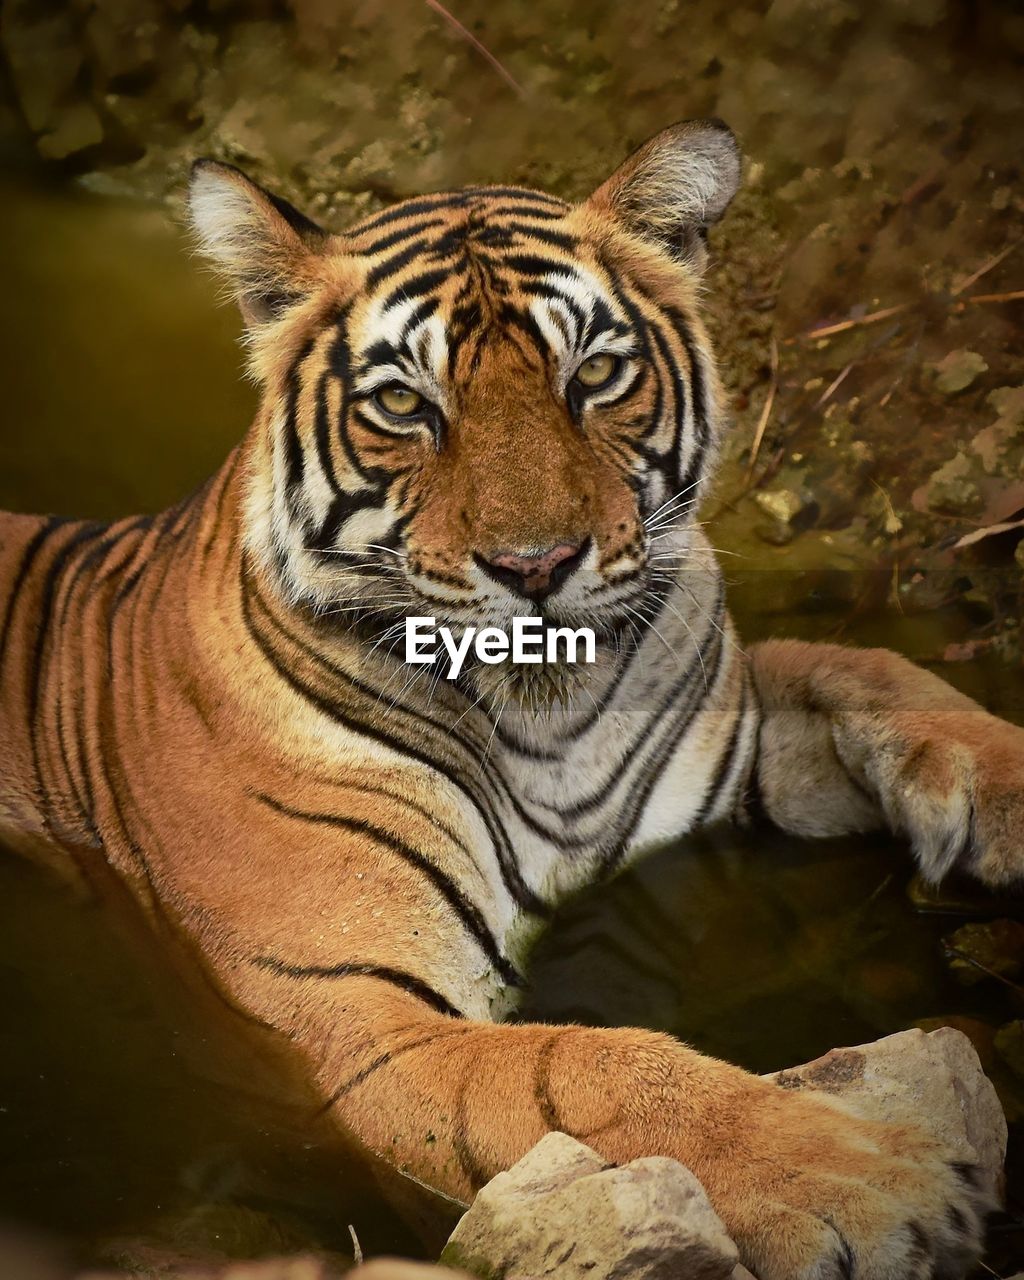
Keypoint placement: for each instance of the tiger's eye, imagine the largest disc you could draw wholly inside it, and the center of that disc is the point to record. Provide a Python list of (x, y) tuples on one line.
[(400, 401), (598, 370)]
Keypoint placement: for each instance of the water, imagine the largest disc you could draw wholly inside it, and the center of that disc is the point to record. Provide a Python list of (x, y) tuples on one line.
[(122, 391), (122, 383)]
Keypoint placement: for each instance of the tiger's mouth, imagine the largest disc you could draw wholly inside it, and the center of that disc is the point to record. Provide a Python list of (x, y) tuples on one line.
[(607, 611)]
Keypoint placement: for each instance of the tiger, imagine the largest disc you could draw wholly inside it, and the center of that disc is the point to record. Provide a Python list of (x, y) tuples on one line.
[(474, 406)]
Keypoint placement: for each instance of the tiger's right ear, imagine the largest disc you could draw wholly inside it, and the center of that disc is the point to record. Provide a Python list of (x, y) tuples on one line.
[(264, 246)]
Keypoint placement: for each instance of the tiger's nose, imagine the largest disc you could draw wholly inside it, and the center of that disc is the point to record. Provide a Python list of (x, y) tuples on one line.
[(538, 574)]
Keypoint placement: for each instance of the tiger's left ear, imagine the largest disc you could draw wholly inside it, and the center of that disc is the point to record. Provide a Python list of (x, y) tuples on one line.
[(673, 187), (265, 247)]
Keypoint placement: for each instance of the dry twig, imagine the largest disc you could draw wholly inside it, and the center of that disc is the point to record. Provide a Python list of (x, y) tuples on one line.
[(766, 409), (889, 394), (834, 385), (481, 48), (827, 330), (1015, 296), (984, 269)]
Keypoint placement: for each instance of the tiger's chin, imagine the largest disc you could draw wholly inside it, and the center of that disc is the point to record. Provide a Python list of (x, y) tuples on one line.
[(542, 692)]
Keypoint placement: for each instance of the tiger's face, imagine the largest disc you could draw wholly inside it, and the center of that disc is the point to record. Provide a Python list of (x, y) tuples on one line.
[(481, 404)]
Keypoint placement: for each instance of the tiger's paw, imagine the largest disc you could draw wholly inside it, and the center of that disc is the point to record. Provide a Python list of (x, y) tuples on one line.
[(957, 791), (822, 1195)]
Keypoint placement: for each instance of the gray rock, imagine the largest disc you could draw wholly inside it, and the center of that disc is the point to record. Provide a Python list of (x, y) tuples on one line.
[(933, 1080), (562, 1211)]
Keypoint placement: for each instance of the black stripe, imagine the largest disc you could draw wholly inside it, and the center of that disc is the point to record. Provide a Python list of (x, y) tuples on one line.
[(542, 1085), (633, 386), (525, 194), (294, 464), (475, 1173), (425, 309), (226, 474), (511, 875), (383, 270), (396, 237), (344, 506), (678, 383), (413, 425), (90, 560), (417, 286), (28, 558), (525, 323), (325, 429), (673, 699), (385, 1059), (507, 862), (725, 764), (533, 265), (753, 801), (93, 559), (397, 977), (467, 912), (128, 585), (408, 209), (322, 433), (681, 326), (516, 211), (638, 797), (551, 291), (34, 674), (642, 331)]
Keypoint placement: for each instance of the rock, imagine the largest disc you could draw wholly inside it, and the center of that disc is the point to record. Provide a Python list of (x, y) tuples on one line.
[(998, 445), (775, 533), (982, 1035), (782, 504), (952, 487), (931, 1080), (957, 371), (562, 1211)]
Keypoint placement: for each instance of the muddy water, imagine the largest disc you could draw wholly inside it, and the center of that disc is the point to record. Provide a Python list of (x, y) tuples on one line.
[(122, 391), (120, 370)]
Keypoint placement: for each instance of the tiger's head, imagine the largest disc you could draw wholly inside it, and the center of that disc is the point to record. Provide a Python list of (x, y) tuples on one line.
[(483, 403)]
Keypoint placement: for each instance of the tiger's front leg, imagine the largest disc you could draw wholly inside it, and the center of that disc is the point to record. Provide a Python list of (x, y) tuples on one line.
[(807, 1190), (852, 740)]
